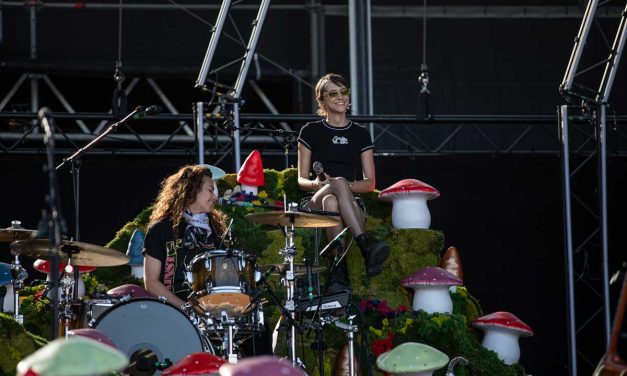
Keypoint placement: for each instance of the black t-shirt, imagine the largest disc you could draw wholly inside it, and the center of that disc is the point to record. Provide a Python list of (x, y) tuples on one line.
[(161, 244), (338, 149)]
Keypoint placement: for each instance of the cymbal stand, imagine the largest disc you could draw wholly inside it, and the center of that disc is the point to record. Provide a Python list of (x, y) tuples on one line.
[(350, 330), (67, 285), (288, 253), (18, 275)]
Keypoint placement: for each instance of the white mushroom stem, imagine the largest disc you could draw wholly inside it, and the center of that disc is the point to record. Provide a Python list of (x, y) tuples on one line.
[(9, 298), (410, 210), (421, 373), (432, 298), (248, 189), (504, 342), (137, 271)]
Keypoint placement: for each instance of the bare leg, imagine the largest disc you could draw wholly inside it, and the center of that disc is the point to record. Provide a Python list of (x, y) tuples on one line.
[(337, 196)]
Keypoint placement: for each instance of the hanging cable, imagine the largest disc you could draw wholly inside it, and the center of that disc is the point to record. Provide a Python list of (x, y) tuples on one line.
[(425, 94), (119, 103)]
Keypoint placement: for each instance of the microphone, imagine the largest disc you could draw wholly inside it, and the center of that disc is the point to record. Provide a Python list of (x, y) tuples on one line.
[(319, 170), (336, 242), (152, 110)]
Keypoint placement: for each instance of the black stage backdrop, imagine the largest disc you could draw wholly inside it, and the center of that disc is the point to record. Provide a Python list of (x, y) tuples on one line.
[(504, 214)]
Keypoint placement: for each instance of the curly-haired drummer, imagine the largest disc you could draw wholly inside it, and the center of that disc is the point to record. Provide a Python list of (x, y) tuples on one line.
[(183, 224), (345, 150)]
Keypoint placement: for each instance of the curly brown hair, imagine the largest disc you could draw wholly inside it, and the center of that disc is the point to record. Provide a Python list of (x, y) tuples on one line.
[(178, 191), (321, 85)]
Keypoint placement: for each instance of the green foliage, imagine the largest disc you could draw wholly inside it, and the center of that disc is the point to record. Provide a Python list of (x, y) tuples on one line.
[(290, 185), (16, 344), (375, 207), (411, 249), (123, 236), (272, 184)]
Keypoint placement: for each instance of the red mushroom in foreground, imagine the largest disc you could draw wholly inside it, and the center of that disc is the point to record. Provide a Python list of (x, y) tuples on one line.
[(250, 175), (409, 203), (44, 267), (502, 330), (133, 291), (94, 334), (431, 289), (198, 363)]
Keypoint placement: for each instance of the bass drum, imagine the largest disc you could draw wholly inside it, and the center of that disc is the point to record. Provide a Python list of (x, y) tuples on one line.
[(143, 325)]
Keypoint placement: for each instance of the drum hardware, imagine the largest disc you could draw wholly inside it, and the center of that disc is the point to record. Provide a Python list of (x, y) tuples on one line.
[(17, 272)]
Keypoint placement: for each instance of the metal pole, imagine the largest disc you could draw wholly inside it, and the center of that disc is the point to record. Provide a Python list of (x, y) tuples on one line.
[(353, 55), (570, 298), (582, 36), (602, 141), (611, 66), (236, 140), (250, 49), (213, 43), (200, 131)]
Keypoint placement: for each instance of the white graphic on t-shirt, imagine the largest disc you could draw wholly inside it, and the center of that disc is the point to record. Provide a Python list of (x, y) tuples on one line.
[(340, 140)]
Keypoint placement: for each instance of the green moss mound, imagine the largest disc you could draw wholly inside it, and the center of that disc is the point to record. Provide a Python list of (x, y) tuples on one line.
[(16, 344)]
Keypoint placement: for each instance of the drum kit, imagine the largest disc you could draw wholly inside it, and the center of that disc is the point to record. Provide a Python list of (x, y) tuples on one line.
[(223, 310)]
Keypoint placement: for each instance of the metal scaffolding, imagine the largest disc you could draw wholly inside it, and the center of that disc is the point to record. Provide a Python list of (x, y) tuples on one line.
[(590, 218)]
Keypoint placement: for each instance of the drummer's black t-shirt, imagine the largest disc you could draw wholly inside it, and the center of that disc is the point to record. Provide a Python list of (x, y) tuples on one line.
[(161, 244)]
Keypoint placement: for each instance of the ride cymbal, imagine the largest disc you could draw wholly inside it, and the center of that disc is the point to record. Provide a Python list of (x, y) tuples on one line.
[(82, 254), (298, 219)]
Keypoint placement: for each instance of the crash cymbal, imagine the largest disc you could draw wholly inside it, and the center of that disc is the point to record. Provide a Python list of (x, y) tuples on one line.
[(83, 254), (299, 269), (298, 219), (11, 234)]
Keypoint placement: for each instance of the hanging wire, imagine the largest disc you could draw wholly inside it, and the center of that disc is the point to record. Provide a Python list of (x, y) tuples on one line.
[(118, 106), (424, 72)]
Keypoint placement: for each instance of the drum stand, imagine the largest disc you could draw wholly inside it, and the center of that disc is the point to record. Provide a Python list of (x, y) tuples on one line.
[(18, 275), (350, 330), (65, 303), (229, 335), (288, 253)]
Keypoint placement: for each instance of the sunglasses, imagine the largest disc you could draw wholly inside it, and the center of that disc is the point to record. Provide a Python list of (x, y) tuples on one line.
[(334, 94)]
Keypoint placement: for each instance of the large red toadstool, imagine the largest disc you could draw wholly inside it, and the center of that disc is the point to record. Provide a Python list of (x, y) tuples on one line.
[(44, 267), (250, 175), (431, 289), (198, 363), (261, 366), (409, 203), (502, 330)]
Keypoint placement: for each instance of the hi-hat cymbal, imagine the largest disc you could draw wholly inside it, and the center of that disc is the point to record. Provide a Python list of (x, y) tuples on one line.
[(11, 234), (82, 254), (298, 219), (299, 269)]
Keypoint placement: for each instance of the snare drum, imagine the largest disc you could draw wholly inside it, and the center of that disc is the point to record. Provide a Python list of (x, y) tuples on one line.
[(222, 280), (143, 325)]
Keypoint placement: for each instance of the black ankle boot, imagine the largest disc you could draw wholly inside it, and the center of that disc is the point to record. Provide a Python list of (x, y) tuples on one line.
[(375, 253), (339, 280)]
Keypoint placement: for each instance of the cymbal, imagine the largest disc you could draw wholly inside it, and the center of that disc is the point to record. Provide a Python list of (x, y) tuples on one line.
[(299, 269), (82, 254), (11, 234), (298, 219)]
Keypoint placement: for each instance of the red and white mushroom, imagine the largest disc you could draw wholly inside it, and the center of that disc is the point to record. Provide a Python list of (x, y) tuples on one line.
[(250, 175), (44, 267), (133, 291), (198, 363), (502, 330), (431, 289), (409, 203)]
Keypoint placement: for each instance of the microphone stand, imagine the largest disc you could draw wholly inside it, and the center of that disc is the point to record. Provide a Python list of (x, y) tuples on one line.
[(52, 218), (75, 162), (288, 136)]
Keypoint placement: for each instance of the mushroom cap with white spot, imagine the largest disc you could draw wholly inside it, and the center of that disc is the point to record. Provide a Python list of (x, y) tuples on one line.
[(409, 187), (503, 320), (412, 357), (261, 366), (432, 276)]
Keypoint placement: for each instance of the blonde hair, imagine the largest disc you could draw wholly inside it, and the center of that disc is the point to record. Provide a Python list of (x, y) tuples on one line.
[(320, 86), (178, 191)]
